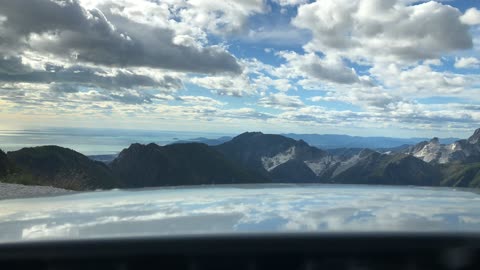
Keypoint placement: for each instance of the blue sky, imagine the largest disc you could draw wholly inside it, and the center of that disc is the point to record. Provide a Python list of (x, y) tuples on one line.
[(398, 68)]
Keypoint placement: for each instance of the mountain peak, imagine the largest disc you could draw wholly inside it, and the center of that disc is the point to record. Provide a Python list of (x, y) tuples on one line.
[(475, 138), (248, 135), (435, 140)]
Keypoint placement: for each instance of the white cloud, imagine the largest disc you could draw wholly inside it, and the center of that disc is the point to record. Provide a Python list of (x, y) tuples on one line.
[(467, 62), (327, 69), (281, 101), (220, 17), (422, 81), (200, 100), (264, 82), (383, 30), (285, 35), (374, 98), (471, 17), (105, 37), (129, 60), (290, 2), (226, 85)]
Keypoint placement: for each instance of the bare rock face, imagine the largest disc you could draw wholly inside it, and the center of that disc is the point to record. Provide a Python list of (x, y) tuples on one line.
[(475, 138), (462, 150)]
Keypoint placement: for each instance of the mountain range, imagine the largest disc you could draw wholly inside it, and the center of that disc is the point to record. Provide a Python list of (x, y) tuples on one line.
[(251, 157), (462, 150), (332, 141)]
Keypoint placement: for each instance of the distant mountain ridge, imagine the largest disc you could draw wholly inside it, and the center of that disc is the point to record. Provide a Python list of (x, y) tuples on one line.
[(207, 141), (251, 157), (331, 141)]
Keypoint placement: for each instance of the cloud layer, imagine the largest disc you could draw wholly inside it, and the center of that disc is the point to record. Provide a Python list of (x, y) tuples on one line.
[(315, 66)]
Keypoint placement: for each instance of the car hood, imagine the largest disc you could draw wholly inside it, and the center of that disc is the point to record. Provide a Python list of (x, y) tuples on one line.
[(239, 209)]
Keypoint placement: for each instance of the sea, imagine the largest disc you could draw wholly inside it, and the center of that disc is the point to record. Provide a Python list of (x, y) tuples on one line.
[(94, 141)]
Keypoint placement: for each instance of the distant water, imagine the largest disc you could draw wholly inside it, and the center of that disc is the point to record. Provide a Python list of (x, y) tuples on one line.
[(240, 209), (93, 141)]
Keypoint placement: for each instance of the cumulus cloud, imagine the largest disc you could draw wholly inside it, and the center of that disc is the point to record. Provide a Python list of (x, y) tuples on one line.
[(221, 17), (82, 76), (117, 84), (135, 60), (290, 2), (423, 81), (383, 30), (328, 69), (467, 62), (226, 85), (405, 115), (200, 100), (264, 82), (67, 29), (471, 17), (372, 98), (281, 101)]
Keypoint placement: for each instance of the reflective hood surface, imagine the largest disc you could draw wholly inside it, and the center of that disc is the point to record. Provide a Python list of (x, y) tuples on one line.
[(240, 209)]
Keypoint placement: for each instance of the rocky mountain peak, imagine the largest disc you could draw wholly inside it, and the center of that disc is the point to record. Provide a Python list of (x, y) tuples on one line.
[(475, 138), (435, 140)]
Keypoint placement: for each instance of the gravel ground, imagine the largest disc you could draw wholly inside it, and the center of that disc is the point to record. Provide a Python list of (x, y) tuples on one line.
[(11, 191)]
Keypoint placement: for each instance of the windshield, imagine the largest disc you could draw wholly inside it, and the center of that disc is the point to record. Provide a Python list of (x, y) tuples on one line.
[(174, 117)]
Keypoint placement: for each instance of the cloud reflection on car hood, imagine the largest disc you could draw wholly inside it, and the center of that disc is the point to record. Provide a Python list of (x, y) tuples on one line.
[(240, 209)]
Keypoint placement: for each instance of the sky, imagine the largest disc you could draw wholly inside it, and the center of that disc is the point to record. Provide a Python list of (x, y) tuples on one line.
[(400, 68)]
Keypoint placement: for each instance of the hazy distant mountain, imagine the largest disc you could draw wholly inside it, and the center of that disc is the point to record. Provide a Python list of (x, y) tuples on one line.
[(59, 167), (330, 141), (177, 164), (103, 158), (206, 141), (461, 150)]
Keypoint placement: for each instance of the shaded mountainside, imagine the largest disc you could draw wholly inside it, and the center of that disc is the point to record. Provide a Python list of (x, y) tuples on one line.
[(293, 171), (376, 168), (461, 175), (271, 154), (59, 167), (177, 164), (5, 164)]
